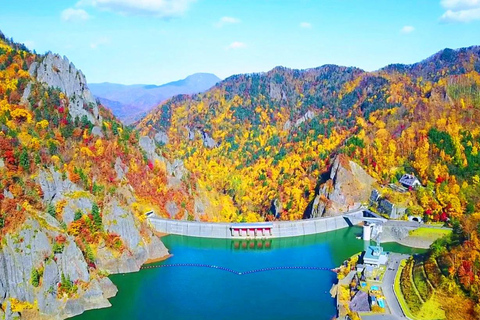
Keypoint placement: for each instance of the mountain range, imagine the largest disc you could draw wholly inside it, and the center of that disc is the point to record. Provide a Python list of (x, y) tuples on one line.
[(286, 144), (130, 102), (260, 145)]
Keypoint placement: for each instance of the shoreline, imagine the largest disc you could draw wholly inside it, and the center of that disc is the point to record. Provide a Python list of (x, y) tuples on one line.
[(150, 261)]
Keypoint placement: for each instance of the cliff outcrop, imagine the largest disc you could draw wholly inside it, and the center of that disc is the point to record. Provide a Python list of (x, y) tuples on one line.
[(347, 188), (58, 72), (67, 200)]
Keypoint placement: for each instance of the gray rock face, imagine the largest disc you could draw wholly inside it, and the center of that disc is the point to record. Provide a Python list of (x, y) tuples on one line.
[(155, 248), (108, 288), (92, 298), (2, 164), (58, 72), (83, 204), (72, 263), (208, 141), (105, 260), (119, 221), (53, 186), (120, 169), (172, 209), (318, 207), (276, 92), (394, 233), (31, 247), (3, 289), (191, 133), (47, 302), (161, 137), (21, 253), (199, 207), (176, 169), (148, 145), (72, 308), (276, 208), (307, 116), (7, 194), (51, 276), (347, 189), (97, 131)]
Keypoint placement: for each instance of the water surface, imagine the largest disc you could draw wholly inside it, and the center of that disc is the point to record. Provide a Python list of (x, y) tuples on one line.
[(203, 293)]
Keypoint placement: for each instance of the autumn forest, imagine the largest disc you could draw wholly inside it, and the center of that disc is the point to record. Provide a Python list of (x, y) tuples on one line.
[(255, 147)]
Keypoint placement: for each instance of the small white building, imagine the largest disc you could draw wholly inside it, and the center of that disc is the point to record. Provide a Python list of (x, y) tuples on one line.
[(410, 181), (375, 256)]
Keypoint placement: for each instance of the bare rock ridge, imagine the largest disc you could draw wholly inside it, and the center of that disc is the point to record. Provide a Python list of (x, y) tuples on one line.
[(58, 72), (347, 188)]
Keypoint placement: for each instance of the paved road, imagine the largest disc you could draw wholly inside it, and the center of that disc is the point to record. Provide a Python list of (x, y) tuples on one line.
[(387, 285), (401, 223)]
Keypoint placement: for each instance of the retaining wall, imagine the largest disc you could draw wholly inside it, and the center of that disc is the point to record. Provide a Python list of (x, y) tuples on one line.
[(280, 229)]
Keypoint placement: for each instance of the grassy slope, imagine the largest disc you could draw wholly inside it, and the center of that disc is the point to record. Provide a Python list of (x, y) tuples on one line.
[(430, 310)]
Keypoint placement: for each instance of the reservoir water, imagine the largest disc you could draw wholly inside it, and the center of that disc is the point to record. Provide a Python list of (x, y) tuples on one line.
[(192, 292)]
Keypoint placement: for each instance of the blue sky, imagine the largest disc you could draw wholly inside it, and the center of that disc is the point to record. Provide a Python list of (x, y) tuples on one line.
[(157, 41)]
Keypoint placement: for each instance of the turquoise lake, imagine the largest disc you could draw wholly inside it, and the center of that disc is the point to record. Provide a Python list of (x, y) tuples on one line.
[(186, 292)]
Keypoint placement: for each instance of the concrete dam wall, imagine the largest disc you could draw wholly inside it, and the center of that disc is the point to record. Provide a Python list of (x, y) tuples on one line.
[(276, 229)]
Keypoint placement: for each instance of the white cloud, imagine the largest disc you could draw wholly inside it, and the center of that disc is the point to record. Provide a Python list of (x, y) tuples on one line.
[(460, 4), (226, 20), (407, 29), (99, 42), (306, 25), (237, 45), (71, 14), (159, 8), (461, 15), (460, 10)]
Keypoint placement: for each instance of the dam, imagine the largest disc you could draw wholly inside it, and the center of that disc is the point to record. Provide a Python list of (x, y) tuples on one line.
[(258, 230)]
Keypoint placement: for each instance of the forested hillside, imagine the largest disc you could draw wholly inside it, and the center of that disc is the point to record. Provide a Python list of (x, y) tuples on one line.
[(259, 138), (74, 188), (75, 183), (263, 142)]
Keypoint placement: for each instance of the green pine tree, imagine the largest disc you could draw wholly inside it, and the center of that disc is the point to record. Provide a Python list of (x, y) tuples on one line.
[(24, 160), (51, 210), (35, 278), (78, 215), (89, 253), (97, 218)]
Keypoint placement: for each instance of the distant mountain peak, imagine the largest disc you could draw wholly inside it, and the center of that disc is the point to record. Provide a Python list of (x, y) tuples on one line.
[(130, 102)]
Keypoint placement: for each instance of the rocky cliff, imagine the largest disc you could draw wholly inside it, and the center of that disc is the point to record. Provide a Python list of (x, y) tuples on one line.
[(347, 188), (61, 236), (58, 72)]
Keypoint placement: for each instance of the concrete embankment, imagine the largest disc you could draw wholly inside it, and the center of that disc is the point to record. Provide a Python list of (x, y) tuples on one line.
[(277, 229)]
